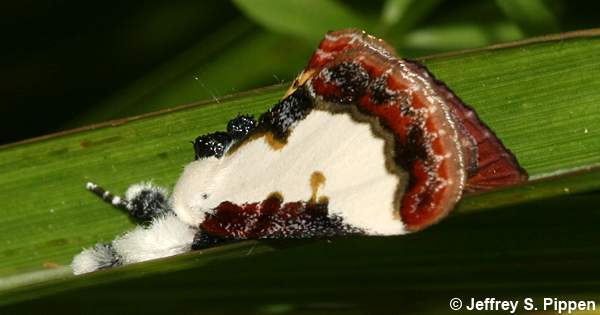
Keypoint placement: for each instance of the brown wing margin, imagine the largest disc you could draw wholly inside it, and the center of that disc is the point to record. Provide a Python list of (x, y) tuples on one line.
[(496, 165)]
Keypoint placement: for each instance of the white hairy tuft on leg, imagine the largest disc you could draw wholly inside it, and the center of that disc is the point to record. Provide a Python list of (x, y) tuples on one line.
[(166, 236), (92, 259)]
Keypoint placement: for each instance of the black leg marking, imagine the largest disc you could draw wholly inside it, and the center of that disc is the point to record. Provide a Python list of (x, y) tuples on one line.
[(147, 204), (204, 240), (278, 120), (287, 113), (213, 144), (241, 126), (107, 196), (109, 255)]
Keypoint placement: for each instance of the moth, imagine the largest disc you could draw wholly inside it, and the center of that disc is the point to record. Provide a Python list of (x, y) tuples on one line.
[(363, 143)]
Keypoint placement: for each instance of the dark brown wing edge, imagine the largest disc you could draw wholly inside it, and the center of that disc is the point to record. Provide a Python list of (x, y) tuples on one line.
[(496, 165)]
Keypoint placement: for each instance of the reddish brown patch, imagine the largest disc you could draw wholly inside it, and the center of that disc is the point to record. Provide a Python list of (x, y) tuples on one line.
[(274, 219), (424, 130), (496, 165)]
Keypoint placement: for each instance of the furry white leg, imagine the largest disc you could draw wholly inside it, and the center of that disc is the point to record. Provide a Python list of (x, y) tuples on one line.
[(165, 236), (98, 257)]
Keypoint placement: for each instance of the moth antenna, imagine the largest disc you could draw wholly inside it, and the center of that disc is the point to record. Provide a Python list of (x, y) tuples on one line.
[(107, 196)]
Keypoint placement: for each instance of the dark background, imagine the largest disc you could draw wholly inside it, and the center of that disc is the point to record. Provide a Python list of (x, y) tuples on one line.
[(68, 63)]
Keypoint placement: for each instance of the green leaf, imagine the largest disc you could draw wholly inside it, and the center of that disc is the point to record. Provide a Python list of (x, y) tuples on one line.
[(533, 16), (308, 19), (394, 10), (401, 15), (541, 98), (449, 37)]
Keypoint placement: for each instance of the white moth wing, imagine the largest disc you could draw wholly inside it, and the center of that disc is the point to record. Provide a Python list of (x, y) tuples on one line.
[(349, 153)]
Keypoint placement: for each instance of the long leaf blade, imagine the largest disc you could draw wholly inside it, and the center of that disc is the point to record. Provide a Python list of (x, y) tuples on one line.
[(541, 98)]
